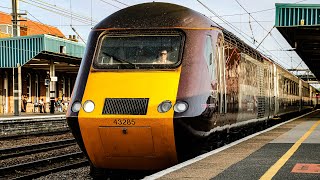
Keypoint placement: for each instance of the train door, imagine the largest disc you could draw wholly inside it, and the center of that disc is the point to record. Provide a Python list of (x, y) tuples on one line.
[(221, 76), (212, 68), (267, 89), (211, 64), (276, 90), (271, 94)]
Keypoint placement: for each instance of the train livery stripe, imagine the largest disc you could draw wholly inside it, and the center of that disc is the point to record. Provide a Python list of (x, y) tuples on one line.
[(277, 166)]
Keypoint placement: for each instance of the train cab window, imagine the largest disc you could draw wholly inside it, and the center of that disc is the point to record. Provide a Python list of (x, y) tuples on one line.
[(139, 51)]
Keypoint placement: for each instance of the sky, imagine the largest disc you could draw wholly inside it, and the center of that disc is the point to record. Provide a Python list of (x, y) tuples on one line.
[(93, 11)]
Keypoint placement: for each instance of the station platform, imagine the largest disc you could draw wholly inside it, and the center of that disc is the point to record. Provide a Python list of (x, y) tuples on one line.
[(290, 150), (32, 123), (31, 115)]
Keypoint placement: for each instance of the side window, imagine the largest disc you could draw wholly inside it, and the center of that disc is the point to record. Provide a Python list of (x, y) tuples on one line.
[(209, 51), (209, 57)]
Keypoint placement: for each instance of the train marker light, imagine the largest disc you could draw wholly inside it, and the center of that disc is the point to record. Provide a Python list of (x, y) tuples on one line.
[(180, 106), (88, 106), (165, 106), (76, 106)]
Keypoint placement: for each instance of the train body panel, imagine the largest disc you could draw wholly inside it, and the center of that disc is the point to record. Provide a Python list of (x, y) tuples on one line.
[(194, 85), (131, 109), (250, 90), (201, 83), (288, 90)]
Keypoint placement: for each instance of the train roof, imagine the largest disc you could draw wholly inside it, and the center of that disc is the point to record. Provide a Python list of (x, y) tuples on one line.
[(156, 15), (230, 38)]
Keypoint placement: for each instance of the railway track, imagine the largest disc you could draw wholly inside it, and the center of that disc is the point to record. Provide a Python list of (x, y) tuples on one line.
[(42, 167), (16, 128), (20, 136), (75, 160), (36, 148)]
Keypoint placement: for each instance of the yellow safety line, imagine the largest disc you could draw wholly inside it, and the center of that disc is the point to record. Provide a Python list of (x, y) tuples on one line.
[(275, 168)]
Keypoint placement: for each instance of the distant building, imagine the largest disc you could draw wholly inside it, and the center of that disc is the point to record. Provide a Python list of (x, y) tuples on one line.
[(27, 27), (4, 35), (39, 48)]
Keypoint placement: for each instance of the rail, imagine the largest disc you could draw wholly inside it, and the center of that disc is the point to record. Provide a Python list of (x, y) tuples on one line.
[(30, 149), (42, 167)]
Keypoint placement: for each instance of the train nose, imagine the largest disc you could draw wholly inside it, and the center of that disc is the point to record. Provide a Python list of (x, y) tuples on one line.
[(127, 128), (129, 142)]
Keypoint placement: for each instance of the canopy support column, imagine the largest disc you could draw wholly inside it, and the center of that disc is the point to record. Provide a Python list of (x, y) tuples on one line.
[(52, 86), (17, 86)]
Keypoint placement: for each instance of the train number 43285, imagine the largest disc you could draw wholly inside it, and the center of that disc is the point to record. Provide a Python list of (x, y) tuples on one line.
[(124, 122)]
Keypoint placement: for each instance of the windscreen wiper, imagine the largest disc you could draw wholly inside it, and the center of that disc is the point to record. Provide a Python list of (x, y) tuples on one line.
[(120, 60)]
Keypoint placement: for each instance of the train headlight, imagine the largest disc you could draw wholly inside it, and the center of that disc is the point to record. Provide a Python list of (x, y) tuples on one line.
[(88, 106), (165, 106), (76, 106), (180, 106)]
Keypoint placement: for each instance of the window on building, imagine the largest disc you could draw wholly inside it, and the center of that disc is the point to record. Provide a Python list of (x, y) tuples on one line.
[(6, 29), (63, 49)]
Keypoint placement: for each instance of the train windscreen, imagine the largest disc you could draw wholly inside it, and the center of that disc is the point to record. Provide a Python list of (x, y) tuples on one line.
[(131, 51)]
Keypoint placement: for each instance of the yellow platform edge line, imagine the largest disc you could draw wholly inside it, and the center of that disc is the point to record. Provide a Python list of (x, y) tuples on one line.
[(276, 167)]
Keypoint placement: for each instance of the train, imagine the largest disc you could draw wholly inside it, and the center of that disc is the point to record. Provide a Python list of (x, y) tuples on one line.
[(156, 77)]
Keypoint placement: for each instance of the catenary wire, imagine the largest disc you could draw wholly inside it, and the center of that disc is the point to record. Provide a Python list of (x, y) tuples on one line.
[(110, 4), (269, 33), (237, 30)]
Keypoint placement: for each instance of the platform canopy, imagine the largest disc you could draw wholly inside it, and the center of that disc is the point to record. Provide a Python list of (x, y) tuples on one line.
[(37, 51), (300, 26)]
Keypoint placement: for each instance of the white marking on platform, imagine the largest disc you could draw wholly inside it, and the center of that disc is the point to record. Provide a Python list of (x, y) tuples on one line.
[(295, 133), (31, 117)]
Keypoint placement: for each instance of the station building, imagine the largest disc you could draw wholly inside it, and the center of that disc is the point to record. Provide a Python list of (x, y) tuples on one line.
[(48, 61)]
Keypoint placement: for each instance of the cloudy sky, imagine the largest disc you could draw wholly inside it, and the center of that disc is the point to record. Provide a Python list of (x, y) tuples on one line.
[(86, 13)]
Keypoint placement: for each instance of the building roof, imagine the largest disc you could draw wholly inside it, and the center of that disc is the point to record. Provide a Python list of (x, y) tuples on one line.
[(23, 49), (30, 27)]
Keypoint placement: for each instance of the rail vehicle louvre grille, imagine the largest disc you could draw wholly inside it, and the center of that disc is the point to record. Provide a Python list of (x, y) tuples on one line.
[(261, 97), (261, 106), (132, 106)]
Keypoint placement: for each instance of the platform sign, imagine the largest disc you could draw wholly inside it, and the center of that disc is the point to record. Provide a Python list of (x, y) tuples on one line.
[(306, 168), (54, 78)]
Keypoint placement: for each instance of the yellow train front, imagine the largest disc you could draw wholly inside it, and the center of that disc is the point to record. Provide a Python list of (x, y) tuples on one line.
[(125, 96)]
